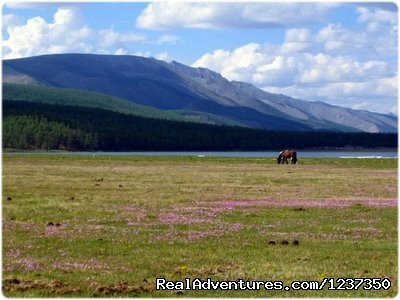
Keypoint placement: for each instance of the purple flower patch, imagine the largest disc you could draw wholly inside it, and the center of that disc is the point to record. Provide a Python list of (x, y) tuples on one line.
[(30, 264), (330, 203), (205, 219)]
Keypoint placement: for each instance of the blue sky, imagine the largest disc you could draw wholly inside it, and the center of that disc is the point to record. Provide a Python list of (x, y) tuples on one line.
[(339, 53)]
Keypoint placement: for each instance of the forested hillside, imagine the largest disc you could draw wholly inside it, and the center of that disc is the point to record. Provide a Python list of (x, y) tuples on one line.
[(64, 96), (32, 132), (29, 125)]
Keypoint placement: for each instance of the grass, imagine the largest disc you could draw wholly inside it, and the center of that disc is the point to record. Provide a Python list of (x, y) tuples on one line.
[(121, 222)]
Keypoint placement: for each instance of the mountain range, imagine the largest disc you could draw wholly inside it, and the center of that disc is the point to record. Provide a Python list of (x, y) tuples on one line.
[(186, 93)]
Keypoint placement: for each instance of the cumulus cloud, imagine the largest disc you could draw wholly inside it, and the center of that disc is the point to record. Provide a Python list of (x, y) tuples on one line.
[(68, 32), (265, 65), (168, 15), (377, 38), (296, 40), (376, 15), (334, 64), (298, 35), (65, 33)]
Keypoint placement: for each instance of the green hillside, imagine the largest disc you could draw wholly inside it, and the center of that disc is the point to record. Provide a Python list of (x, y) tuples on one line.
[(64, 96)]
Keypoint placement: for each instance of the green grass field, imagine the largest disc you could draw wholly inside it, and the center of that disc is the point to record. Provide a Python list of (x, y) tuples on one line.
[(109, 226)]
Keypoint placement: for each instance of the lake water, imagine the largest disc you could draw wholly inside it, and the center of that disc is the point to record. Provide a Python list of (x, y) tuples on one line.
[(307, 154)]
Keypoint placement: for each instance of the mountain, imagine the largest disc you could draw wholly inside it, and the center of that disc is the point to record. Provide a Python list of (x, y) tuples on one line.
[(65, 96), (195, 93), (240, 94), (140, 80)]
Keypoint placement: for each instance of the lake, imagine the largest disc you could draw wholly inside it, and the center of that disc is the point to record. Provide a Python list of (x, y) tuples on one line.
[(300, 153)]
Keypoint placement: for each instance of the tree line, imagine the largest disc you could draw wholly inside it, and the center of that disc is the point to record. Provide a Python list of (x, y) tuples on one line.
[(30, 125)]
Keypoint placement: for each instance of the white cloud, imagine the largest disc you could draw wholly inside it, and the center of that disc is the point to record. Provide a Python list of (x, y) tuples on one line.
[(376, 39), (68, 17), (376, 15), (335, 37), (296, 40), (269, 66), (110, 38), (168, 15), (10, 20), (162, 56), (67, 32), (292, 47), (236, 65), (167, 39), (335, 65), (298, 35), (322, 68), (121, 51), (39, 37)]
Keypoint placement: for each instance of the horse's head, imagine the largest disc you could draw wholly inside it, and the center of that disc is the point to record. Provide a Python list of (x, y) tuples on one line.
[(280, 157)]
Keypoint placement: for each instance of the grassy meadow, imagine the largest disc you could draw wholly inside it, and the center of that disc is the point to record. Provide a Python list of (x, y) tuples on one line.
[(109, 226)]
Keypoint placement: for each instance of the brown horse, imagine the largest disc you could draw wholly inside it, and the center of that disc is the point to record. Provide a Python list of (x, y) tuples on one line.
[(285, 154)]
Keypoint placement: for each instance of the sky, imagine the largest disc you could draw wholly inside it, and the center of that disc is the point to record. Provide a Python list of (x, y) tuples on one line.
[(341, 53)]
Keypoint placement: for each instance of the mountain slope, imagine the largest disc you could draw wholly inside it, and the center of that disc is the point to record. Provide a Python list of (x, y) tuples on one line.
[(195, 92), (64, 96), (141, 80), (221, 89), (306, 110), (241, 96)]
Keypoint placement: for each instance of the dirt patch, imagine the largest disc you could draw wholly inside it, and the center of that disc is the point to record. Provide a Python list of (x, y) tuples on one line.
[(222, 269), (54, 287), (124, 288), (60, 288)]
